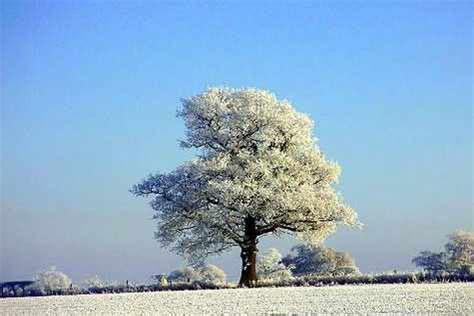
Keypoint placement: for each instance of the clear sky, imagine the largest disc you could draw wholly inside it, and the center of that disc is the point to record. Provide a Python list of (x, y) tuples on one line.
[(89, 92)]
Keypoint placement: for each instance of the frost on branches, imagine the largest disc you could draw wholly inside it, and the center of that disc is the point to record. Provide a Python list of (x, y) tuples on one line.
[(269, 267), (51, 280), (207, 273), (259, 172), (319, 260)]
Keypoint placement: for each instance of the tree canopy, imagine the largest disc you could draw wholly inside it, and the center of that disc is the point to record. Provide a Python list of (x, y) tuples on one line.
[(259, 171)]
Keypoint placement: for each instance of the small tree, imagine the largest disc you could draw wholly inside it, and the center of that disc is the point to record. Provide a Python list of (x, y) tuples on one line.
[(269, 266), (51, 280), (319, 260), (259, 172)]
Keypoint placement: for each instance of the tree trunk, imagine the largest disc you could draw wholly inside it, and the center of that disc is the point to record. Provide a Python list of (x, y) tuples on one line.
[(248, 277)]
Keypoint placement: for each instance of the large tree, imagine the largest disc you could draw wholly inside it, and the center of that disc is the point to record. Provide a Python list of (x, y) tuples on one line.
[(259, 171)]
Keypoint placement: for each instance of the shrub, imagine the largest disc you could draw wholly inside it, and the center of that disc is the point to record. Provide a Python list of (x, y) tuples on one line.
[(185, 275), (269, 267), (211, 274), (206, 273), (319, 260), (51, 280)]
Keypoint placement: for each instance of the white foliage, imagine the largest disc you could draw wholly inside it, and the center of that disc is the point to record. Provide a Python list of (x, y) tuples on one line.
[(185, 275), (204, 273), (460, 249), (212, 274), (269, 266), (51, 280), (319, 260), (259, 159)]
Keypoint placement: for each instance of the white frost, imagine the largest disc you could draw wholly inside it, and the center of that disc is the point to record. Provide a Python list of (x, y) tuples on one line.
[(454, 298)]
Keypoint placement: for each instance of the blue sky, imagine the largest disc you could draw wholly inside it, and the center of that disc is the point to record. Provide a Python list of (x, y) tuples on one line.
[(89, 92)]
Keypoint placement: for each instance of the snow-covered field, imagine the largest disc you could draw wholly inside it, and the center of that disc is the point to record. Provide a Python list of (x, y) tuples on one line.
[(454, 298)]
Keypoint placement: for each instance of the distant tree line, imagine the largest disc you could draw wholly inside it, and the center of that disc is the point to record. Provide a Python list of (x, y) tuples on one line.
[(305, 265)]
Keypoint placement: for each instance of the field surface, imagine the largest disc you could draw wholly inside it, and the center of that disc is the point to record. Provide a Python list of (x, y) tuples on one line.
[(454, 298)]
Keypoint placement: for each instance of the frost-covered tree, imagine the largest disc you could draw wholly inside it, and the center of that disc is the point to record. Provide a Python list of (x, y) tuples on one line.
[(204, 273), (185, 275), (458, 256), (211, 274), (319, 260), (269, 266), (460, 251), (259, 172), (269, 262), (51, 280)]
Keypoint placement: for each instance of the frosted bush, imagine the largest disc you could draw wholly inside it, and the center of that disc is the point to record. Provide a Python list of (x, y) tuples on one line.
[(212, 274), (185, 275), (51, 280), (319, 260), (205, 273), (269, 267)]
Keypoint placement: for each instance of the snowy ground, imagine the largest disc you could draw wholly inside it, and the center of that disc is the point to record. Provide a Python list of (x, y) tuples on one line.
[(455, 298)]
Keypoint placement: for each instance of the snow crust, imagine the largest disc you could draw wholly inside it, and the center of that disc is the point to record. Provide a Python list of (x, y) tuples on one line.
[(454, 298)]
